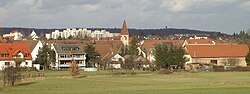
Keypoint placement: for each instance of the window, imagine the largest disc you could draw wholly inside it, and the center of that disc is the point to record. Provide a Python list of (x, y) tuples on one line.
[(26, 55), (7, 63), (18, 55), (214, 62), (64, 49), (4, 55), (125, 37), (62, 56), (26, 63), (77, 48)]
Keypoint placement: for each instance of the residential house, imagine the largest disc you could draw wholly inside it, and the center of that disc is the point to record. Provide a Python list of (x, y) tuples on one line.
[(67, 53), (15, 54), (34, 46), (109, 53), (15, 35), (116, 61), (220, 55)]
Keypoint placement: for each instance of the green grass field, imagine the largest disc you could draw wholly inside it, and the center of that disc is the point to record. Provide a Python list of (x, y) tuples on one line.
[(101, 82)]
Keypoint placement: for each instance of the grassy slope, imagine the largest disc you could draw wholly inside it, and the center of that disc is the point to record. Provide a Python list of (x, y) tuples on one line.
[(177, 83)]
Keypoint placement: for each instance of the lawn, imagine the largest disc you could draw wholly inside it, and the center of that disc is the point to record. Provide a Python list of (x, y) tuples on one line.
[(102, 82)]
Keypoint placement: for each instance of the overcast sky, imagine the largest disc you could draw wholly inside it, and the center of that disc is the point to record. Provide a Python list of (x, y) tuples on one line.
[(225, 16)]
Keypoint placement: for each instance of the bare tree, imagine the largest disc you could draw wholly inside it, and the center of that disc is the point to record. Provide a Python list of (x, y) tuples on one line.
[(74, 69), (11, 75)]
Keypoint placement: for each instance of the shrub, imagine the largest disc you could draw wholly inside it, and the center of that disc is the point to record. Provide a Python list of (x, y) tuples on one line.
[(11, 75)]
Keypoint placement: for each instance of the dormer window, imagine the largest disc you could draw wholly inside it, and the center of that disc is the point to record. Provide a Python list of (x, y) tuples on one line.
[(26, 55), (64, 49), (4, 55), (18, 55)]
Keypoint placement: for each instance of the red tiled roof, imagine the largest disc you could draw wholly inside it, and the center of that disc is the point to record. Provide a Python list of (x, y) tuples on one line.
[(199, 41), (31, 43), (13, 48), (124, 30), (208, 51), (148, 44)]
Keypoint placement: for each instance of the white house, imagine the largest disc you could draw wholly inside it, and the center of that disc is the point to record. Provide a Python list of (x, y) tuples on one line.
[(116, 61), (16, 35)]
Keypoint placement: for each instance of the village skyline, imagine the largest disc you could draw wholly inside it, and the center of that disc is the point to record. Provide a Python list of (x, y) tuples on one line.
[(124, 46)]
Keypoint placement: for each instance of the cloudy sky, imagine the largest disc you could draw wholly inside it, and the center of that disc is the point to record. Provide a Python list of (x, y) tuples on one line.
[(225, 16)]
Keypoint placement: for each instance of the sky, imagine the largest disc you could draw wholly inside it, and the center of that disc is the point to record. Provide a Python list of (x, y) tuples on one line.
[(225, 16)]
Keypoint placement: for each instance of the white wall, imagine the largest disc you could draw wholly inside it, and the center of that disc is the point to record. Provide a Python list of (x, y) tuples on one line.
[(29, 63), (34, 52), (2, 64), (12, 63), (220, 61), (116, 66)]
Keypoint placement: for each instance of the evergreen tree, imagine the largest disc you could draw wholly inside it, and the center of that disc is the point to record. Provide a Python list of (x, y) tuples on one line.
[(133, 47), (123, 51), (45, 56), (166, 55), (92, 55)]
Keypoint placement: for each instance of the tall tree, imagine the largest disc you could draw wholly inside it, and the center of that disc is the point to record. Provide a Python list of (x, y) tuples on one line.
[(92, 55), (132, 50), (46, 56), (166, 55), (161, 55)]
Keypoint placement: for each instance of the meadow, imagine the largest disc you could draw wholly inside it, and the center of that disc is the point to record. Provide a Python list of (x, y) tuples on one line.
[(104, 82)]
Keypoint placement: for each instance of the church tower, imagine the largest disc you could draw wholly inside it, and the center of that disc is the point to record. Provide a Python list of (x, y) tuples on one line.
[(124, 34)]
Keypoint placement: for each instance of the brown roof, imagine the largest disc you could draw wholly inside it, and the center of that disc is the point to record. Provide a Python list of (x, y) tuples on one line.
[(199, 41), (105, 48), (148, 44), (207, 51), (124, 30)]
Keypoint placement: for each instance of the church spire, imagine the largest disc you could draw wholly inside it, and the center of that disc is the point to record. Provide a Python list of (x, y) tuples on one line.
[(124, 30), (124, 34)]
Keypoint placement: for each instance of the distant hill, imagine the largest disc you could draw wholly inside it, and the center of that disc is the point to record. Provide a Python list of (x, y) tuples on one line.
[(166, 31)]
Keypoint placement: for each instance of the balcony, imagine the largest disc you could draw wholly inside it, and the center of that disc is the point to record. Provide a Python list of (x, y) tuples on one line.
[(75, 58), (68, 65)]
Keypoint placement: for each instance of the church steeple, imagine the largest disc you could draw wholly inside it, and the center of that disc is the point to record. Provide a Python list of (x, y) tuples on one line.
[(124, 34), (124, 30)]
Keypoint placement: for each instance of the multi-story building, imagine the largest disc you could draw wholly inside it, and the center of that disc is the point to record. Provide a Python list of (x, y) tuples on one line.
[(67, 53), (81, 33)]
